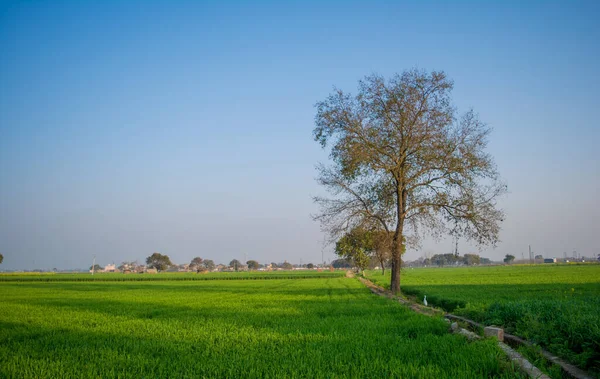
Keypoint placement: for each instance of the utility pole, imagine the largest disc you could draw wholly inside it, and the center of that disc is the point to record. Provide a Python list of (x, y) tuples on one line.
[(94, 264), (530, 255)]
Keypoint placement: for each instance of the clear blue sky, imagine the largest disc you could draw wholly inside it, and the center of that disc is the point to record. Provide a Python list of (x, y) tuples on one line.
[(185, 127)]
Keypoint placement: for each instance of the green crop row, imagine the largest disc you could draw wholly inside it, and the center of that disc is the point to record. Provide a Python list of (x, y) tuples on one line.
[(322, 328), (168, 276), (555, 306)]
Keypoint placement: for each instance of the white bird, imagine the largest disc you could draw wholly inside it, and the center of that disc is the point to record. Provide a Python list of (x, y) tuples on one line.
[(425, 300)]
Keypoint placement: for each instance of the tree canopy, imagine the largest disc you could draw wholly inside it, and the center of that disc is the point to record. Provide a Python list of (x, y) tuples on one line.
[(509, 258), (356, 246), (235, 264), (1, 258), (209, 264), (252, 265), (404, 161), (197, 264), (159, 261), (340, 263)]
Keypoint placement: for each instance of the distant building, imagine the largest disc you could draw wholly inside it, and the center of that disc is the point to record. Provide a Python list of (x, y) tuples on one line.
[(550, 260), (110, 268)]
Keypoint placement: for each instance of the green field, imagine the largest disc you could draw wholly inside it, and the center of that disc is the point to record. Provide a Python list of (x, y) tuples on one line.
[(555, 306), (167, 276), (316, 328)]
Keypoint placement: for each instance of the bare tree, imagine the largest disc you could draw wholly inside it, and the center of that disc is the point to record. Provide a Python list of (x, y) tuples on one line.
[(209, 264), (197, 264), (382, 241), (405, 162)]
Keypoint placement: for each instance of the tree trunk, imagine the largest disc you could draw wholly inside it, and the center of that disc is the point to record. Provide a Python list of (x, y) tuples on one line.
[(397, 243), (396, 263), (382, 267)]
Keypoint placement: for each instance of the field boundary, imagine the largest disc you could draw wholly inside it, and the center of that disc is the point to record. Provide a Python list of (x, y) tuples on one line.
[(567, 368)]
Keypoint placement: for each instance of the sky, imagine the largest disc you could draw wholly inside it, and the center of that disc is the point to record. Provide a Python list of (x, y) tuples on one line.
[(186, 127)]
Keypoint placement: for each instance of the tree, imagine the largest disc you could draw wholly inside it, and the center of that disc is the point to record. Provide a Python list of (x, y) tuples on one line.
[(286, 265), (340, 263), (196, 264), (356, 247), (235, 264), (444, 259), (274, 265), (209, 264), (310, 266), (252, 265), (382, 244), (158, 261), (404, 160), (509, 258), (539, 256), (96, 267), (471, 259), (1, 258)]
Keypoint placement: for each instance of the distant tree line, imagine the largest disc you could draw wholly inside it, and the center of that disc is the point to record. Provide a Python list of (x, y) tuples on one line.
[(454, 259), (162, 262)]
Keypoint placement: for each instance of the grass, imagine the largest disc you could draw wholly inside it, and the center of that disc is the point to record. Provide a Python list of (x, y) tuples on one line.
[(555, 306), (318, 328)]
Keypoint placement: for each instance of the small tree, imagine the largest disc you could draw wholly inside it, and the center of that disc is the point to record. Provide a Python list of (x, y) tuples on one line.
[(1, 258), (287, 265), (159, 261), (235, 264), (96, 268), (196, 264), (310, 266), (274, 265), (356, 246), (382, 247), (252, 265), (209, 264), (539, 256), (471, 259), (509, 258)]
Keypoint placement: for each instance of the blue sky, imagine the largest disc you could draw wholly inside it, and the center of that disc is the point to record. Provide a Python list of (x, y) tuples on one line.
[(185, 127)]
